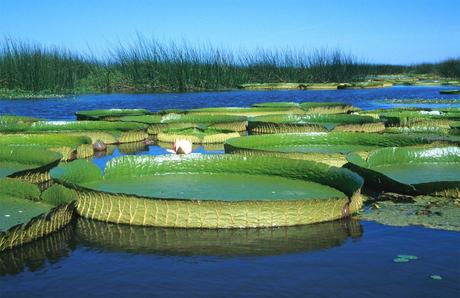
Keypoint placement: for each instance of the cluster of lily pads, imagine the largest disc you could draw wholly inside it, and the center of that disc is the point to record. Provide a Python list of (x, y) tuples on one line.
[(285, 164)]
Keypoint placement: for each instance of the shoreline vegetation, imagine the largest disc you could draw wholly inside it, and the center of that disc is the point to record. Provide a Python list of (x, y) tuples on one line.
[(29, 70)]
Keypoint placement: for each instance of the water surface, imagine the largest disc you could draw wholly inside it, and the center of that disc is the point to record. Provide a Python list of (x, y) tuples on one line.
[(65, 108)]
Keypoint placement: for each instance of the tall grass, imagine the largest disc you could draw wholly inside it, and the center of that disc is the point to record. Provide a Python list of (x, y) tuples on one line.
[(148, 65), (151, 65), (31, 67)]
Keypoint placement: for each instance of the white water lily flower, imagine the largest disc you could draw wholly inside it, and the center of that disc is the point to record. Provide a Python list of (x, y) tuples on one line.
[(181, 147)]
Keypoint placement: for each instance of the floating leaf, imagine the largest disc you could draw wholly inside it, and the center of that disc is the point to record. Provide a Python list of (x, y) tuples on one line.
[(400, 260), (409, 257)]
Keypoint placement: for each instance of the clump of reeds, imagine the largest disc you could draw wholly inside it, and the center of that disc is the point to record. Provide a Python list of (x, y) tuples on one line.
[(148, 65), (31, 67)]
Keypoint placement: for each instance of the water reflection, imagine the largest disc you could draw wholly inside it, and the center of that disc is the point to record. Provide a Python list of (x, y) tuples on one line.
[(102, 236), (38, 254), (209, 242), (133, 148)]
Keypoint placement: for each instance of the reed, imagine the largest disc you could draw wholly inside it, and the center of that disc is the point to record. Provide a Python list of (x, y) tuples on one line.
[(147, 65), (31, 67)]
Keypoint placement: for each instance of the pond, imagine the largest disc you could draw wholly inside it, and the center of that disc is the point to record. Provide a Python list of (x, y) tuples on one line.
[(348, 258)]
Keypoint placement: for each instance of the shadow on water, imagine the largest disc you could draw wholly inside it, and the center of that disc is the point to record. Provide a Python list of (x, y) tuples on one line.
[(209, 242), (38, 254), (110, 237)]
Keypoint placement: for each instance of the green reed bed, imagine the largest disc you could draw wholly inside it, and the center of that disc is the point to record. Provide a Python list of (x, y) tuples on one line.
[(29, 70)]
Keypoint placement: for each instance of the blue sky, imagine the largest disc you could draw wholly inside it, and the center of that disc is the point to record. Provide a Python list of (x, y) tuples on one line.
[(404, 31)]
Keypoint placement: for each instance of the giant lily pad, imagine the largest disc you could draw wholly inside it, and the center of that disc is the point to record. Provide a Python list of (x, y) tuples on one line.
[(411, 170), (110, 114), (212, 191), (109, 132), (197, 135), (49, 140), (23, 218), (329, 148), (211, 242), (248, 112), (455, 128), (310, 107), (421, 101), (327, 107), (450, 92), (314, 123), (417, 118), (158, 123), (277, 105), (65, 144), (27, 163), (8, 119)]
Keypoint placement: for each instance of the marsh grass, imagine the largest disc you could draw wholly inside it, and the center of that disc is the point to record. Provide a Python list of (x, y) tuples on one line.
[(32, 67), (147, 65)]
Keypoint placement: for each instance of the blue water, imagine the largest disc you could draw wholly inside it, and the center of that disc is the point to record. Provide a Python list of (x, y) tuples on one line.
[(338, 259), (330, 263), (64, 108)]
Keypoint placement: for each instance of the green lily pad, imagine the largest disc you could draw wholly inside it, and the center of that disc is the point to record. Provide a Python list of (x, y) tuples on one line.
[(327, 107), (24, 218), (314, 123), (213, 191), (118, 132), (159, 123), (18, 161), (8, 119), (411, 170), (197, 135), (248, 112), (409, 257), (401, 260), (109, 114), (329, 148)]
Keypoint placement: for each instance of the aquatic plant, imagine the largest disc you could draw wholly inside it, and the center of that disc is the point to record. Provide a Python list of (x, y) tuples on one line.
[(411, 170), (144, 190), (29, 69), (327, 107), (7, 119), (434, 212), (107, 131), (329, 148), (247, 112), (158, 123), (197, 135), (32, 67), (27, 163), (314, 123), (24, 217), (109, 114), (452, 91)]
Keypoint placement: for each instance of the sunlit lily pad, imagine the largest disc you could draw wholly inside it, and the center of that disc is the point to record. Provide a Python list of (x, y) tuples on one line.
[(212, 191)]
